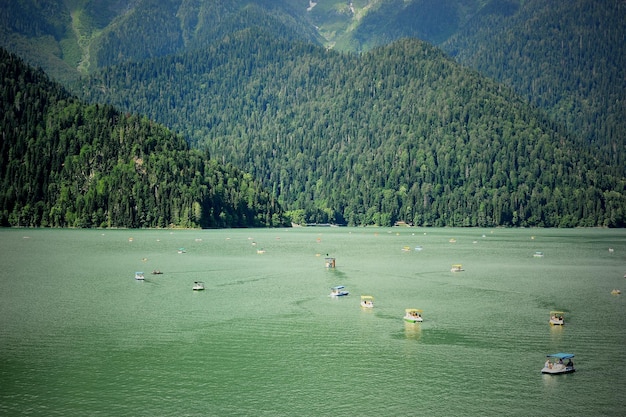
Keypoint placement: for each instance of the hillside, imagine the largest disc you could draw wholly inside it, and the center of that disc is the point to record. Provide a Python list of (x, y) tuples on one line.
[(68, 38), (361, 25), (396, 132), (568, 58), (565, 57), (67, 164), (400, 133)]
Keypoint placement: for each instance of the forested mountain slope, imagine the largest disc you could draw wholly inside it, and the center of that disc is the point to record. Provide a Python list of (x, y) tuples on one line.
[(399, 133), (566, 57), (360, 25), (67, 37), (67, 164)]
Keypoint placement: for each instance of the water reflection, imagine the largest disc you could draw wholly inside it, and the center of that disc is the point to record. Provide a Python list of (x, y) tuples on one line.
[(553, 383), (412, 331), (556, 333)]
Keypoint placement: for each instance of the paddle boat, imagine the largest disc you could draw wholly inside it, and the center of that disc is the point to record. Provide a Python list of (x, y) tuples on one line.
[(338, 291), (367, 301), (198, 286), (555, 365), (556, 318), (616, 292), (457, 268), (413, 315), (139, 276)]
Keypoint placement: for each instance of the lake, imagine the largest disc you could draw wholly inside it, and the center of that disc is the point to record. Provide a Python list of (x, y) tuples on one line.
[(79, 336)]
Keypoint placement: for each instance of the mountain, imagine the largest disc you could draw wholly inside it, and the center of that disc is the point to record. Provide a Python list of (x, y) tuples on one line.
[(529, 131), (68, 38), (67, 164), (400, 133), (361, 25), (568, 58), (80, 36)]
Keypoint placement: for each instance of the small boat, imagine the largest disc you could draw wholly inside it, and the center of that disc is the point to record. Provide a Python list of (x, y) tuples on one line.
[(457, 268), (198, 286), (538, 254), (157, 272), (413, 315), (329, 262), (338, 291), (556, 318), (182, 250), (367, 301), (555, 365), (616, 292), (139, 276)]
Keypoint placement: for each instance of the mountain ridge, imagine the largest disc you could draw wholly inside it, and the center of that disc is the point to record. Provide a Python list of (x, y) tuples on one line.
[(285, 114), (315, 124)]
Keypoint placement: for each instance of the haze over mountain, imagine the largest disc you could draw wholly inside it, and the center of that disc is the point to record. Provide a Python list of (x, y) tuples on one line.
[(306, 97)]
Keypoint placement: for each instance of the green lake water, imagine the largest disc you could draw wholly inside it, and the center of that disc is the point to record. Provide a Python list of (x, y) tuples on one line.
[(79, 336)]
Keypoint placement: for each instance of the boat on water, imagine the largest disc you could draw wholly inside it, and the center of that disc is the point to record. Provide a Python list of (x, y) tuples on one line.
[(538, 254), (157, 272), (338, 291), (457, 268), (198, 286), (616, 292), (367, 301), (182, 250), (556, 318), (555, 364), (139, 276), (413, 315)]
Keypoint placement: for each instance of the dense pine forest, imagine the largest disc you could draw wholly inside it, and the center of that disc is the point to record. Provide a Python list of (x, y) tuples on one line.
[(568, 58), (400, 133), (67, 164), (369, 112)]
